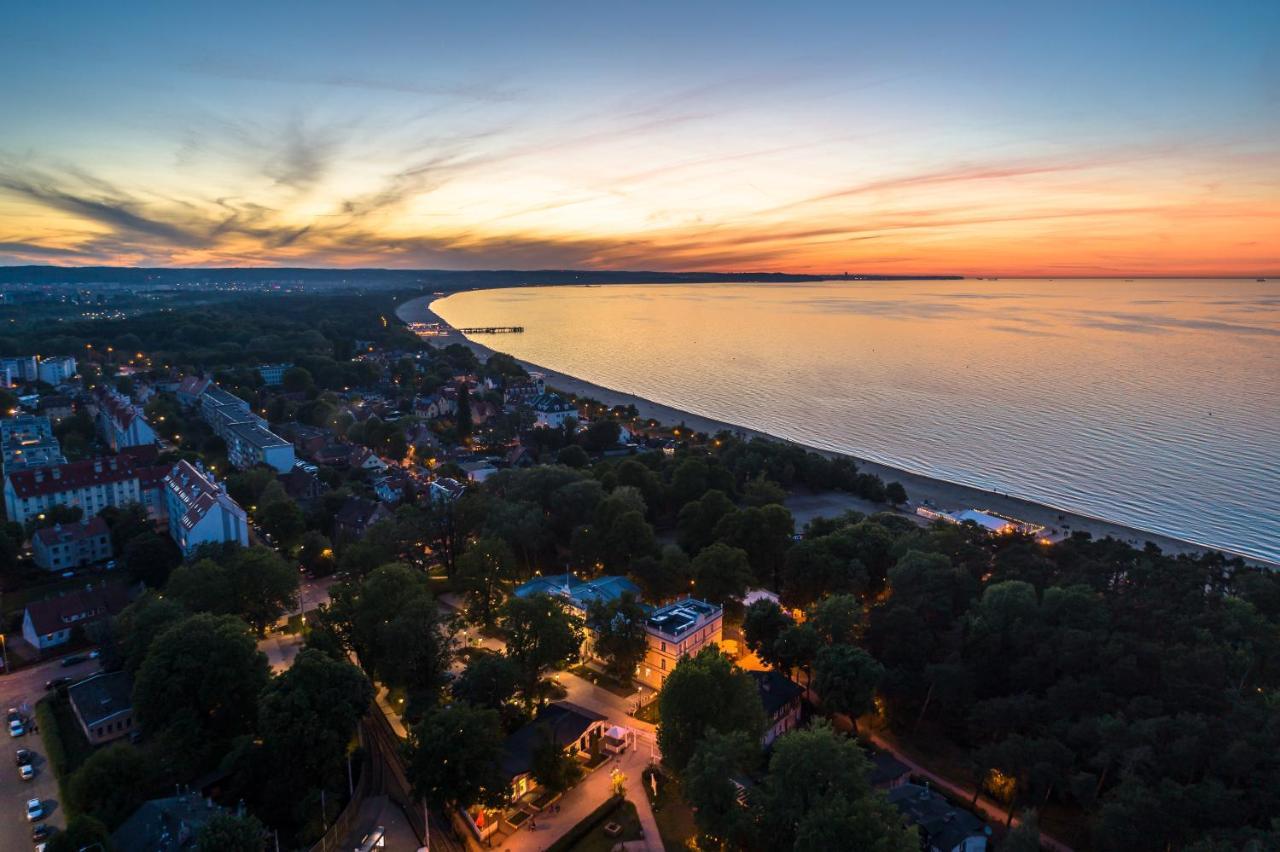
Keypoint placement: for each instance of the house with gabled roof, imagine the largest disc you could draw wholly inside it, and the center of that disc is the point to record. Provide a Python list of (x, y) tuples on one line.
[(201, 511)]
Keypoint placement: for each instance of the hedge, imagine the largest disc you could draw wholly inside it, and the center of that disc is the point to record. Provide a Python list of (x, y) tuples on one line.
[(55, 749)]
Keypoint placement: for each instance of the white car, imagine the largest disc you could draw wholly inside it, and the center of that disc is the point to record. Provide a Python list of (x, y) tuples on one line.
[(27, 771), (16, 729), (35, 809)]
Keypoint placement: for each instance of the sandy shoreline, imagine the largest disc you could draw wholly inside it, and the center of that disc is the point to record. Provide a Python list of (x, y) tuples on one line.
[(947, 495)]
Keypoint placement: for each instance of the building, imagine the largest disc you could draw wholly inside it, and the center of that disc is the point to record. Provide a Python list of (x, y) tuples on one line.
[(887, 772), (166, 825), (92, 484), (122, 423), (273, 374), (363, 458), (64, 546), (677, 630), (57, 407), (25, 427), (27, 441), (307, 440), (190, 390), (56, 370), (783, 704), (103, 705), (434, 406), (578, 594), (550, 410), (390, 488), (302, 486), (356, 515), (523, 392), (477, 471), (943, 826), (49, 623), (200, 510), (250, 444), (446, 489), (20, 369)]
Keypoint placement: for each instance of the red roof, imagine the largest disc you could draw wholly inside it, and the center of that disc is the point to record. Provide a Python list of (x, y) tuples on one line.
[(54, 614), (193, 386), (120, 411), (59, 533), (79, 474)]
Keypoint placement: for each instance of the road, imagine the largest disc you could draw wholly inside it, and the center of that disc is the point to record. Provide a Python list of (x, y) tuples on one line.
[(22, 689)]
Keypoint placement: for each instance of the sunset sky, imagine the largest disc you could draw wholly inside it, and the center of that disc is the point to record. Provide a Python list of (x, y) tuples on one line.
[(1124, 138)]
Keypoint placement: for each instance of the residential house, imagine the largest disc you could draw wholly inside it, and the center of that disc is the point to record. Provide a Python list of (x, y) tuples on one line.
[(166, 825), (390, 488), (523, 392), (190, 390), (56, 369), (676, 630), (121, 422), (307, 439), (355, 517), (550, 411), (200, 510), (273, 374), (48, 623), (103, 705), (477, 471), (783, 704), (64, 546), (482, 411), (92, 484), (943, 826), (302, 486), (363, 458), (445, 489), (332, 455), (520, 457), (434, 406)]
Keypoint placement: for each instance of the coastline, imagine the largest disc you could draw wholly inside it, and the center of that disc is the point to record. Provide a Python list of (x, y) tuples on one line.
[(920, 487)]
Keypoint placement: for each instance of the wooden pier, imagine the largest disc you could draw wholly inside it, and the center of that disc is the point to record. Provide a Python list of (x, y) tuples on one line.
[(493, 329)]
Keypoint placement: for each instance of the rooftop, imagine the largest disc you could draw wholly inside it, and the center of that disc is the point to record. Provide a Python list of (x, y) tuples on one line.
[(50, 615), (62, 533), (256, 435), (941, 823), (676, 619), (162, 825), (78, 474), (579, 593), (101, 696), (776, 690), (562, 722)]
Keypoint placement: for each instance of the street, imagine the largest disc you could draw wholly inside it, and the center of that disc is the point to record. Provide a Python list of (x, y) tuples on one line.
[(21, 690)]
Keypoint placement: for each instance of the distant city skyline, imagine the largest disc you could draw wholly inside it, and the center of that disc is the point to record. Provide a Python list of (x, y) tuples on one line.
[(1131, 139)]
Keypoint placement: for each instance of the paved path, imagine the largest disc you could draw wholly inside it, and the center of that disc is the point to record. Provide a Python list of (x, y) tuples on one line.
[(993, 810)]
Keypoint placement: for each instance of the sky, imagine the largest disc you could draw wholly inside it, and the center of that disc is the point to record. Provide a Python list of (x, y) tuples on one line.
[(980, 138)]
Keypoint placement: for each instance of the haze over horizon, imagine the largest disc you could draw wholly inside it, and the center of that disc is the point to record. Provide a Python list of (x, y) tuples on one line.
[(978, 140)]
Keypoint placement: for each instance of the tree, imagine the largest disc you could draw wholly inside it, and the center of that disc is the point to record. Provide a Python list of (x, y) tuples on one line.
[(540, 634), (462, 419), (254, 583), (453, 757), (600, 435), (1025, 836), (82, 832), (762, 624), (201, 678), (139, 624), (697, 520), (816, 796), (489, 680), (705, 693), (283, 521), (297, 380), (618, 630), (797, 646), (628, 537), (573, 456), (306, 718), (664, 576), (895, 493), (315, 553), (709, 788), (231, 833), (486, 572), (111, 784), (551, 766), (845, 678), (721, 573), (150, 558), (838, 619), (764, 534)]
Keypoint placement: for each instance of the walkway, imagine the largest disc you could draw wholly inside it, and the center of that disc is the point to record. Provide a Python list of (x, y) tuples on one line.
[(991, 809)]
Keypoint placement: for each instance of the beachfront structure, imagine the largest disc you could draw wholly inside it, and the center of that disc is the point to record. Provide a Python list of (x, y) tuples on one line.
[(273, 374), (677, 630), (122, 423), (201, 511), (92, 484), (984, 519), (56, 370), (550, 410), (64, 546)]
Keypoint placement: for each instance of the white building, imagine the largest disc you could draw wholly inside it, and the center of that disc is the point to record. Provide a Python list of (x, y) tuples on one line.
[(92, 484), (477, 471), (273, 374), (250, 444), (20, 369), (550, 410), (200, 510), (122, 423), (56, 370)]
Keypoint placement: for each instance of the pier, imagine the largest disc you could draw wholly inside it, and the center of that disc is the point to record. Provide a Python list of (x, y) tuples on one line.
[(493, 329)]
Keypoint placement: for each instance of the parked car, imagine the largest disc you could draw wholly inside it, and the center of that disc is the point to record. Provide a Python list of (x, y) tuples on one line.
[(23, 755), (26, 772), (95, 654), (56, 682), (35, 810), (41, 831), (16, 728), (73, 660)]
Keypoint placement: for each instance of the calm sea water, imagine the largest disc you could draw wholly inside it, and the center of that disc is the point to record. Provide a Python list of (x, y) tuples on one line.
[(1151, 403)]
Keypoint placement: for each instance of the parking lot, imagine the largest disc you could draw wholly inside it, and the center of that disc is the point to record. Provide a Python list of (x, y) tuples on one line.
[(22, 690)]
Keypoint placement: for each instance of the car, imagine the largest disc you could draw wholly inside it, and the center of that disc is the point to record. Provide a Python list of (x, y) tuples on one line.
[(23, 756), (14, 715), (111, 564), (73, 660), (95, 654), (35, 809), (56, 682), (67, 575), (41, 831), (16, 728), (26, 772)]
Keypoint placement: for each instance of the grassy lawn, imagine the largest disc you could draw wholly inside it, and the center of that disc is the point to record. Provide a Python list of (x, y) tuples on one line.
[(648, 713), (597, 841), (622, 690), (672, 813)]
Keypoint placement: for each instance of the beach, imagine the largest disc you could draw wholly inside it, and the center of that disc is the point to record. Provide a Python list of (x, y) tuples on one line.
[(936, 492)]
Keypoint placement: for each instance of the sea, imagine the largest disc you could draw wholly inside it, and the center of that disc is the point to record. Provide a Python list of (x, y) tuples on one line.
[(1152, 403)]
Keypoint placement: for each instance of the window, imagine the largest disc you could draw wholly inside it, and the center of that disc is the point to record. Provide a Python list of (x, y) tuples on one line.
[(664, 646)]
